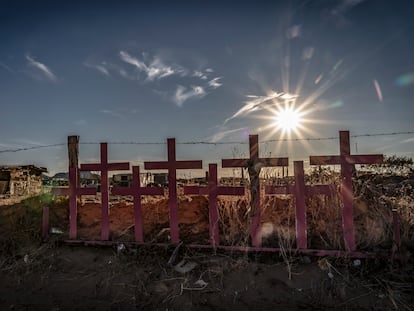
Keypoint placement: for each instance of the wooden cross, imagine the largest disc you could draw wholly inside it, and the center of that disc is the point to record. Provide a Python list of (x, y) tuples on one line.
[(254, 164), (137, 191), (300, 191), (104, 167), (213, 191), (172, 165), (73, 192), (347, 162)]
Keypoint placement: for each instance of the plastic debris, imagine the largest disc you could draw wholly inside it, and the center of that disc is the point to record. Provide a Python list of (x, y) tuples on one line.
[(184, 267), (120, 248), (56, 230)]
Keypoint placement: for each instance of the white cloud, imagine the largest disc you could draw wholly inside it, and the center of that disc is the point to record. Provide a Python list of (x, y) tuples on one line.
[(224, 133), (259, 102), (214, 83), (42, 68), (183, 94), (200, 75), (155, 70), (6, 67), (100, 68)]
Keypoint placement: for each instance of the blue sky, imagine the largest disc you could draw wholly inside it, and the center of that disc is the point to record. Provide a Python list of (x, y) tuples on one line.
[(203, 71)]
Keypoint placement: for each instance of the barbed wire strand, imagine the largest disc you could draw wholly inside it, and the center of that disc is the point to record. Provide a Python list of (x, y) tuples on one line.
[(213, 143)]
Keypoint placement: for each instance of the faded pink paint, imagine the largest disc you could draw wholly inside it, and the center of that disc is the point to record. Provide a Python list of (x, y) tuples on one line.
[(137, 191), (254, 159), (213, 191), (104, 167), (73, 192), (300, 191), (172, 165), (346, 160)]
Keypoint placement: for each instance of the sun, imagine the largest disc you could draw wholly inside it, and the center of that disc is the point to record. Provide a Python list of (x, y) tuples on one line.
[(288, 119)]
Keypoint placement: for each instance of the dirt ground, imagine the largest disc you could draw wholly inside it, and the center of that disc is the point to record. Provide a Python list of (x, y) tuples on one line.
[(52, 275)]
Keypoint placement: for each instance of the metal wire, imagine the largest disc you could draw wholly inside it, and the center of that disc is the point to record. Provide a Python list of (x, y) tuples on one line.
[(212, 143)]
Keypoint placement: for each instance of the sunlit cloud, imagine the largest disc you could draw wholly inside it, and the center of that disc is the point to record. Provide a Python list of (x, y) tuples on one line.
[(260, 102), (100, 68), (214, 83), (200, 75), (155, 70), (42, 68), (182, 94)]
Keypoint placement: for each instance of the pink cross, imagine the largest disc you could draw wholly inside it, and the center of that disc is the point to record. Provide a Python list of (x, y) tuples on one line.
[(255, 162), (73, 191), (137, 191), (172, 165), (213, 191), (104, 167), (300, 190), (346, 160)]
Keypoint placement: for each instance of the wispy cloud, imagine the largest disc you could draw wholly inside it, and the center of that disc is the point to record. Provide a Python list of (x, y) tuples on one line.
[(259, 102), (200, 74), (222, 133), (41, 67), (119, 112), (214, 83), (100, 68), (154, 70), (112, 113), (183, 94), (3, 65)]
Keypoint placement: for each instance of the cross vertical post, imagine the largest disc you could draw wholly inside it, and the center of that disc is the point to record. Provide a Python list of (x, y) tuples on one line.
[(300, 190), (254, 164), (172, 165), (347, 161), (104, 167), (213, 190), (73, 191), (137, 191)]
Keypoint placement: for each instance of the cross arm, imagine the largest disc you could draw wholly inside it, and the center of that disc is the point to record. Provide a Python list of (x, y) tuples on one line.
[(365, 159), (189, 164), (274, 161), (234, 162), (325, 160), (223, 190), (196, 190), (156, 165), (289, 189)]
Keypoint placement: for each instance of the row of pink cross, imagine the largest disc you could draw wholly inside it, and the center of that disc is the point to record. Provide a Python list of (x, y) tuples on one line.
[(213, 190)]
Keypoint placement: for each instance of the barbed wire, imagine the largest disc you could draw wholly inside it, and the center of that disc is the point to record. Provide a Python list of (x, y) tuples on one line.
[(213, 143)]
